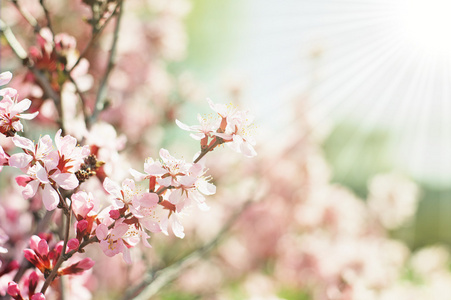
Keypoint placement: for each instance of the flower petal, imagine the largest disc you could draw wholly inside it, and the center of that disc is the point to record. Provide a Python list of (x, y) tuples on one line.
[(50, 197)]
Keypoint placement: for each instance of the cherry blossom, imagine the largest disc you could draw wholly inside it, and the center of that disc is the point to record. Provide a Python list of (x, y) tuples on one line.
[(111, 241), (207, 127), (11, 110), (40, 177), (130, 196), (70, 155), (238, 133), (33, 153)]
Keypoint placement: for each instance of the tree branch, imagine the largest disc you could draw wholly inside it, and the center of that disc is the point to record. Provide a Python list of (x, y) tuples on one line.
[(155, 280), (101, 94)]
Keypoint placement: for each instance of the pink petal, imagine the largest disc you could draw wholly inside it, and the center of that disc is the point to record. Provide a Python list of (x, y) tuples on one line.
[(154, 169), (23, 143), (5, 77), (43, 247), (119, 230), (28, 116), (112, 188), (67, 181), (38, 296), (182, 125), (177, 227), (126, 255), (21, 106), (206, 187), (30, 189), (50, 198), (41, 174), (101, 232), (20, 160), (149, 200)]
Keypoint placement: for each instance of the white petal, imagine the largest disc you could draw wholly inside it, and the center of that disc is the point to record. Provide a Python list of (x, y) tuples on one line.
[(112, 188), (67, 181), (5, 77), (30, 189), (182, 125), (50, 198), (28, 116), (23, 143), (137, 175), (21, 106), (177, 227), (20, 160)]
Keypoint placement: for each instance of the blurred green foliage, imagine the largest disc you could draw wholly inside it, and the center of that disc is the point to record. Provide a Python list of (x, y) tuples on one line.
[(356, 156)]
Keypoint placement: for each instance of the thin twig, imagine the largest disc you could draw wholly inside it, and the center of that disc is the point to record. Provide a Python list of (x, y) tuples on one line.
[(101, 94), (205, 151), (47, 17), (12, 41), (95, 34), (84, 107), (27, 16), (62, 257), (40, 77), (155, 280)]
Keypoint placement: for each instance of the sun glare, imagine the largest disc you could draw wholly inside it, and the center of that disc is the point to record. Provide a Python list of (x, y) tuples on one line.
[(427, 24)]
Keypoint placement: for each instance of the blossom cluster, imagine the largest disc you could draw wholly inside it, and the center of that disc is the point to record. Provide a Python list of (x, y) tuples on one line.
[(58, 171), (11, 110)]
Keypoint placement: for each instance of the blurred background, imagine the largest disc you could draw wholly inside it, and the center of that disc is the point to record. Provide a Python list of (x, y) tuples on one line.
[(374, 77)]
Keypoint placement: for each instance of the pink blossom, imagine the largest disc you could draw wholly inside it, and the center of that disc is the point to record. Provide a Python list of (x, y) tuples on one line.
[(151, 168), (238, 133), (223, 110), (84, 204), (174, 169), (111, 242), (207, 127), (174, 221), (130, 196), (11, 113), (41, 177), (33, 153), (70, 155), (192, 187)]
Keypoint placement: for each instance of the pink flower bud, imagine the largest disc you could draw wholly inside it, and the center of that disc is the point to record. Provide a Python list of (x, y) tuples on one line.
[(32, 282), (82, 226), (13, 290), (86, 263), (78, 267), (23, 180), (38, 296), (115, 214), (43, 248), (73, 244), (30, 255)]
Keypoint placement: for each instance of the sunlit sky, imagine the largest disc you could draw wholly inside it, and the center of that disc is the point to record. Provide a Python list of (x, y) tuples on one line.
[(382, 64)]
